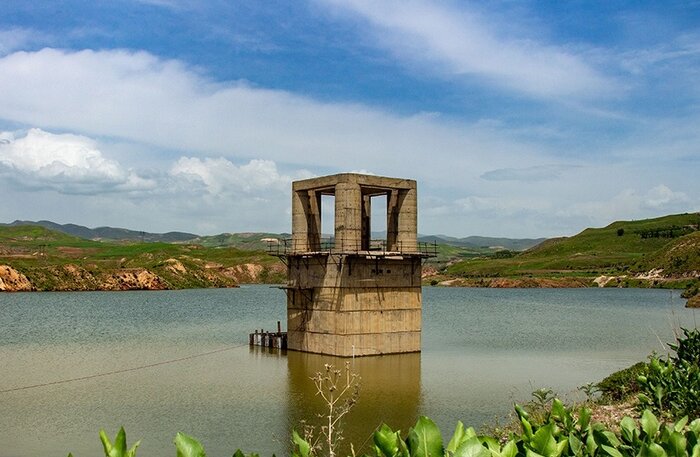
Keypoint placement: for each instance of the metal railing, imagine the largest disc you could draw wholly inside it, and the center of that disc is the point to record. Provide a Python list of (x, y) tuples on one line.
[(285, 247)]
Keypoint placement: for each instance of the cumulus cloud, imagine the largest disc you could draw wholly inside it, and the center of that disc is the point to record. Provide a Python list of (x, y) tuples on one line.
[(70, 164), (631, 204), (221, 176), (139, 97), (16, 38), (464, 42)]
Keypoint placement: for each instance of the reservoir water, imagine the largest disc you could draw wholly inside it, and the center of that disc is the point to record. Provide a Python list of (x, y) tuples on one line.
[(483, 349)]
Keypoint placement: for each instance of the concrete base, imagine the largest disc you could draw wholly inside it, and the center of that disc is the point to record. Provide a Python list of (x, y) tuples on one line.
[(354, 305)]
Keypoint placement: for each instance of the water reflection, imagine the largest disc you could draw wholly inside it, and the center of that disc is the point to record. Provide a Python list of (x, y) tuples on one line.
[(390, 393)]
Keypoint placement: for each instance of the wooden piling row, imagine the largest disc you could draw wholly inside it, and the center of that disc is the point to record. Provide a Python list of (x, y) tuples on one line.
[(262, 338)]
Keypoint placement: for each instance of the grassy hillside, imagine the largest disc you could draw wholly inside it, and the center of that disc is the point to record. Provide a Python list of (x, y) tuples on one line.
[(56, 261), (624, 246), (108, 233)]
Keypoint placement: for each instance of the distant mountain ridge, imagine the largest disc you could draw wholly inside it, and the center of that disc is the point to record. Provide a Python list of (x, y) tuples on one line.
[(252, 240), (109, 233), (511, 244)]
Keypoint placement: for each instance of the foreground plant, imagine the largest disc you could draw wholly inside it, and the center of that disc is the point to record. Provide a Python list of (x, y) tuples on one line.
[(671, 387)]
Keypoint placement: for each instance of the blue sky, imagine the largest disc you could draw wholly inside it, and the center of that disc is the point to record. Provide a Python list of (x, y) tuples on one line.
[(518, 118)]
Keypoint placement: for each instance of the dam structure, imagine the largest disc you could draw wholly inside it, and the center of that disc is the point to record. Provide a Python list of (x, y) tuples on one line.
[(350, 295)]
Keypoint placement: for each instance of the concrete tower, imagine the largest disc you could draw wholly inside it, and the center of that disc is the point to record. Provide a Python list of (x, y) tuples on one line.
[(351, 295)]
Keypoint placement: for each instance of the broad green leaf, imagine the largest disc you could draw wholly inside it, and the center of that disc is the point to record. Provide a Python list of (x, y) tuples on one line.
[(424, 440), (676, 445), (650, 424), (527, 428), (531, 453), (591, 445), (106, 443), (238, 453), (611, 451), (472, 448), (301, 445), (543, 441), (522, 414), (510, 449), (118, 448), (611, 438), (558, 409), (696, 451), (628, 429), (561, 446), (695, 426), (490, 442), (575, 444), (458, 437), (652, 450), (584, 418), (678, 426), (188, 446), (387, 441)]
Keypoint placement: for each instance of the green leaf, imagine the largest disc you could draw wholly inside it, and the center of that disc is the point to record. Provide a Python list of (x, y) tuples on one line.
[(652, 450), (188, 446), (510, 449), (696, 451), (472, 448), (678, 426), (118, 449), (650, 424), (584, 418), (302, 446), (531, 453), (386, 440), (575, 444), (676, 445), (611, 438), (238, 453), (628, 429), (695, 426), (591, 445), (558, 409), (424, 440), (522, 414), (106, 443), (458, 437), (611, 451), (543, 441), (490, 442)]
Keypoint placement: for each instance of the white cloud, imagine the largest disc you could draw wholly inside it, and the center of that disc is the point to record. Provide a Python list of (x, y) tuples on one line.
[(631, 204), (529, 174), (16, 38), (138, 97), (203, 144), (463, 42), (65, 163), (221, 176)]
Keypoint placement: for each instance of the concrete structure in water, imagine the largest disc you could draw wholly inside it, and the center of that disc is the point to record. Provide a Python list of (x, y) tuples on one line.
[(351, 295)]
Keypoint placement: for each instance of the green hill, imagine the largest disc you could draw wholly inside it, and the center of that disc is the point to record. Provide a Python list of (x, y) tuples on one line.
[(624, 246), (52, 260)]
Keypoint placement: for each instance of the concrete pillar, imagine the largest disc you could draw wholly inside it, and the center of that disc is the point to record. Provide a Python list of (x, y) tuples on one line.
[(300, 222), (406, 237), (392, 220), (366, 222), (348, 217), (314, 221)]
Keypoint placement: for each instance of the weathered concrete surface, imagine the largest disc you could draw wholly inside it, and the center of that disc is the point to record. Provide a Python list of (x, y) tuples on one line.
[(347, 300)]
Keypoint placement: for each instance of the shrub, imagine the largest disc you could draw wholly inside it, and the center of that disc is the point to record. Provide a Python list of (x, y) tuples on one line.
[(622, 384)]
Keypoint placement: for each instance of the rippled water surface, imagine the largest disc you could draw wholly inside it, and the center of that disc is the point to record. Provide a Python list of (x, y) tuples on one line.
[(482, 350)]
